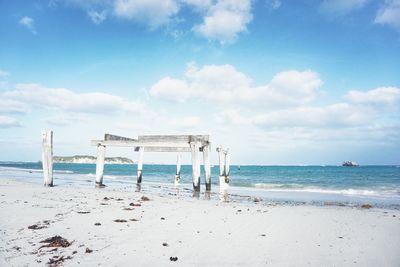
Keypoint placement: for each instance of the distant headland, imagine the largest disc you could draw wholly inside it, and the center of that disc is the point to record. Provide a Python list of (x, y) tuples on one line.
[(91, 159)]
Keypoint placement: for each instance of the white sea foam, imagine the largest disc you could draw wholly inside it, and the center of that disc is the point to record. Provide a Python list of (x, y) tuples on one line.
[(308, 189)]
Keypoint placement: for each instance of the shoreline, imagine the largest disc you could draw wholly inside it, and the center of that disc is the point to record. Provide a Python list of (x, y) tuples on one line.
[(196, 231), (308, 195)]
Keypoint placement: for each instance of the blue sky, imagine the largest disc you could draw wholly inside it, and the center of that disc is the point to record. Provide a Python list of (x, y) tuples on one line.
[(278, 82)]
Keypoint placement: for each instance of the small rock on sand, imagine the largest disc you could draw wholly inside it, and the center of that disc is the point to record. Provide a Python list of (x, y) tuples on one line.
[(88, 250), (173, 258), (144, 198), (257, 199)]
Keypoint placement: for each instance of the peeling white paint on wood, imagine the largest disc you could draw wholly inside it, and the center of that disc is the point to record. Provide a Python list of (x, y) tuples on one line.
[(207, 167), (224, 159), (47, 157), (140, 165), (101, 153), (195, 166), (178, 169)]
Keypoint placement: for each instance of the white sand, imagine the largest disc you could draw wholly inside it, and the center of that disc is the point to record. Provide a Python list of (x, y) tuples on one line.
[(199, 232)]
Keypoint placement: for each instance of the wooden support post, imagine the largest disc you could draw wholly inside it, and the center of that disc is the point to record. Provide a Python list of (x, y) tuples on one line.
[(178, 169), (140, 166), (207, 167), (47, 157), (101, 153), (223, 168), (195, 166), (227, 163)]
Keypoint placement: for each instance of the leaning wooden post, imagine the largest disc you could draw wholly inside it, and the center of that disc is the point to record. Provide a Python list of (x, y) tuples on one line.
[(207, 167), (140, 165), (178, 169), (101, 153), (195, 166), (47, 157)]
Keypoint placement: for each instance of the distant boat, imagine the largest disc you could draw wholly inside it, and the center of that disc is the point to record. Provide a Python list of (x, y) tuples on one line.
[(350, 164)]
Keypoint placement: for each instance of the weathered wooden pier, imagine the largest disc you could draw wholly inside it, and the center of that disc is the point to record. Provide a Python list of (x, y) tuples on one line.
[(195, 144), (167, 143)]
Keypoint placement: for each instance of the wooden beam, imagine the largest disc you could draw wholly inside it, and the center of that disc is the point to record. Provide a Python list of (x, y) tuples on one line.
[(207, 167), (174, 138), (47, 157), (101, 153), (140, 166), (165, 149), (178, 169), (129, 143), (195, 166), (109, 137)]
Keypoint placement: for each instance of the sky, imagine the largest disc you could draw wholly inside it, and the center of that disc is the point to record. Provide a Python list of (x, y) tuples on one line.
[(278, 82)]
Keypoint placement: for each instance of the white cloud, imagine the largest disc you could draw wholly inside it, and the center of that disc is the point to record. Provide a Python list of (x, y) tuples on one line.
[(389, 13), (331, 116), (378, 96), (199, 5), (341, 7), (153, 12), (6, 122), (188, 122), (225, 85), (273, 4), (97, 17), (11, 106), (225, 20), (28, 23), (66, 100), (171, 90)]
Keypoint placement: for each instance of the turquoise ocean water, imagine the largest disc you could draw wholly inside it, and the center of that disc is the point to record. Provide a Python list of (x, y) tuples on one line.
[(379, 185)]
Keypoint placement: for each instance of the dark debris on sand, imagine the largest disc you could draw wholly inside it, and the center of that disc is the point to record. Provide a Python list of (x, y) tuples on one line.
[(39, 226), (57, 261), (88, 250), (120, 220), (144, 198), (134, 204), (173, 258), (55, 241), (83, 212), (366, 206)]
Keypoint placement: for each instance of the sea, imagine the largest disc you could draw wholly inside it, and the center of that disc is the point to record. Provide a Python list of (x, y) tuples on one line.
[(375, 185)]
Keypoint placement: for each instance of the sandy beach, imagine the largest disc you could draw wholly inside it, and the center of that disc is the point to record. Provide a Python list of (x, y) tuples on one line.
[(119, 227)]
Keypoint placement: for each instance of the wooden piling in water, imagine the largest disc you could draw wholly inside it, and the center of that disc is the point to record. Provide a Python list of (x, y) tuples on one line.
[(101, 154), (223, 156), (47, 157), (140, 165), (207, 167), (178, 169), (195, 166)]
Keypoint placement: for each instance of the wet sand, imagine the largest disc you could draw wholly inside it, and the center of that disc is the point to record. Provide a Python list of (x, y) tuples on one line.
[(120, 227)]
